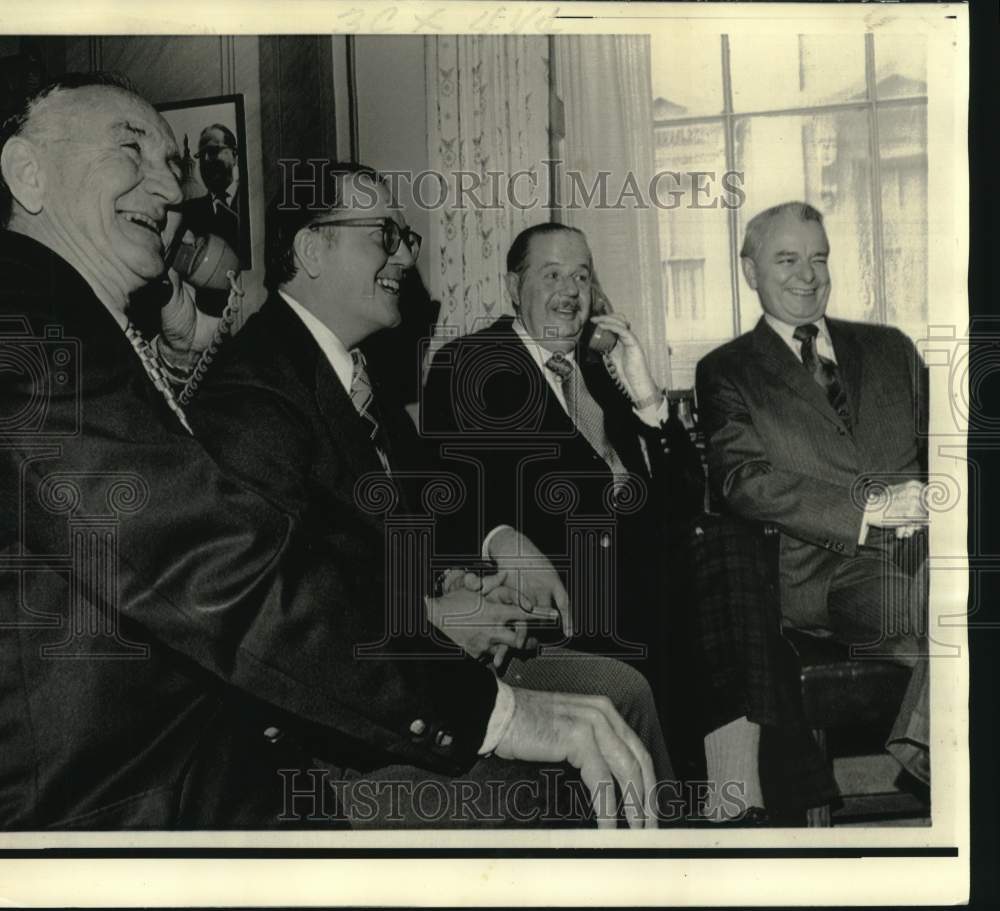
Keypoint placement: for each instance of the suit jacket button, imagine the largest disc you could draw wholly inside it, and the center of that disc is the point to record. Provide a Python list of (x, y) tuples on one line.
[(443, 739), (418, 727), (272, 733)]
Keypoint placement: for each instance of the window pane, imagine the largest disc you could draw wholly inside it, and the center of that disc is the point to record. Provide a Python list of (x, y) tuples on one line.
[(822, 159), (903, 164), (694, 244), (773, 72), (687, 75), (900, 66)]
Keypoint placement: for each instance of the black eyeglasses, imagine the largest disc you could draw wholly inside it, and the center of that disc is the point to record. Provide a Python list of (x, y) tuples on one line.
[(392, 233), (213, 151)]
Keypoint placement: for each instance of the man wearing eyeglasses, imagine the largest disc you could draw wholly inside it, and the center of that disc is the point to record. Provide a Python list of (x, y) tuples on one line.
[(290, 409), (218, 211)]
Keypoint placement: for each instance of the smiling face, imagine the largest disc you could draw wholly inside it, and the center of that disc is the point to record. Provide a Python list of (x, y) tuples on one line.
[(360, 281), (789, 272), (552, 294), (110, 170)]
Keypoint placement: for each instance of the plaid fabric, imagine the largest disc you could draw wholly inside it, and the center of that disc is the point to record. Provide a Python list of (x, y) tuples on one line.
[(742, 663)]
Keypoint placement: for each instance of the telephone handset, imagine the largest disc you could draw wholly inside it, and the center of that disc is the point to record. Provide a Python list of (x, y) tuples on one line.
[(208, 263), (599, 340), (203, 262)]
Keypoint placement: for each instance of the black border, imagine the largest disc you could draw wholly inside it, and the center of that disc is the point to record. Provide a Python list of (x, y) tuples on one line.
[(161, 853)]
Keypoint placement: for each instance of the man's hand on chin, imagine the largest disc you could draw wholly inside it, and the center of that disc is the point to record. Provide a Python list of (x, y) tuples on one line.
[(526, 570), (590, 735)]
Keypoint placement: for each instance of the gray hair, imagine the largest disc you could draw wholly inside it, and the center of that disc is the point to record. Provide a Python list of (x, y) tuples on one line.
[(760, 225)]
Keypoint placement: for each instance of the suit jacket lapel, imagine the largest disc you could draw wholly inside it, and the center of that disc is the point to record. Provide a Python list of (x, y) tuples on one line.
[(343, 425), (554, 419), (344, 428), (776, 358)]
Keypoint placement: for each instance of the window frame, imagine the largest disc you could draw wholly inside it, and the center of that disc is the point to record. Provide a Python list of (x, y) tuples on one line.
[(871, 104)]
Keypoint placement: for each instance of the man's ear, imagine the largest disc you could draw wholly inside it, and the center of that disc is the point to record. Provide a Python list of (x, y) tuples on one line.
[(749, 272), (308, 247), (23, 174), (513, 282)]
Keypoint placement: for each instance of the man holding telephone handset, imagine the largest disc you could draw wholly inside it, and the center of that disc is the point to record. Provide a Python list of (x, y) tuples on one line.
[(573, 444), (227, 597)]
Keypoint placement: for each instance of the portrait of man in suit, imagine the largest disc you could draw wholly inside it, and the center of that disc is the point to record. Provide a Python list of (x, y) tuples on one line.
[(812, 426), (218, 211)]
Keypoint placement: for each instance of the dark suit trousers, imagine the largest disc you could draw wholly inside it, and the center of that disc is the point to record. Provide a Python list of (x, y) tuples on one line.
[(878, 603)]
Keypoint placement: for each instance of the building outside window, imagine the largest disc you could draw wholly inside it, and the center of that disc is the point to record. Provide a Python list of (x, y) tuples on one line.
[(837, 121)]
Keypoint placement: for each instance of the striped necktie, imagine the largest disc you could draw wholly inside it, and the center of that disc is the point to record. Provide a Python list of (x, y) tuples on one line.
[(151, 365), (823, 371), (585, 413), (363, 400)]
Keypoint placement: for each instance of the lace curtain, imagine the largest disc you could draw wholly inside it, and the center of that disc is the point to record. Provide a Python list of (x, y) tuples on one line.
[(487, 112)]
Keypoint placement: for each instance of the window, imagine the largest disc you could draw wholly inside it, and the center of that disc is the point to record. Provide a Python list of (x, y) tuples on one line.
[(837, 121)]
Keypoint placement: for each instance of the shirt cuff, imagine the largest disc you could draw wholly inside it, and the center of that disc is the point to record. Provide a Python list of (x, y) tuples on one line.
[(653, 415), (503, 713), (489, 539), (863, 534)]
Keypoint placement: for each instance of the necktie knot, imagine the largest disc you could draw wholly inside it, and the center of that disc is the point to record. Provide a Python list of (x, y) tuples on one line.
[(806, 332), (360, 365), (560, 365)]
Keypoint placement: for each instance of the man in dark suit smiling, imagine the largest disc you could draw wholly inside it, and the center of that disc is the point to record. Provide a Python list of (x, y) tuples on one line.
[(573, 450), (290, 408), (812, 425)]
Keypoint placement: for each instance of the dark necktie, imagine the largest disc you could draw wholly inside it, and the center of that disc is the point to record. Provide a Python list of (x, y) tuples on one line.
[(585, 413), (823, 371), (363, 400)]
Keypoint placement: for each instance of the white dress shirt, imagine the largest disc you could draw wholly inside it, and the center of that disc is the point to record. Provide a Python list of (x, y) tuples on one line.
[(340, 360), (824, 344)]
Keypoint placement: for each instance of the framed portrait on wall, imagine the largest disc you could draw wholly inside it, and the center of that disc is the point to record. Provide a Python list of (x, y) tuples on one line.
[(211, 135)]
